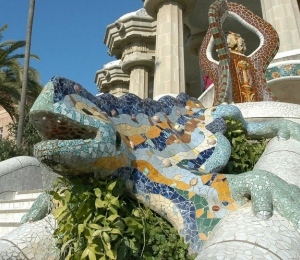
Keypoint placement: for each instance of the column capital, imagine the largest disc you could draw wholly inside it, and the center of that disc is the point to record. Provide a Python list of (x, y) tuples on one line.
[(152, 6), (128, 28), (137, 59), (111, 75)]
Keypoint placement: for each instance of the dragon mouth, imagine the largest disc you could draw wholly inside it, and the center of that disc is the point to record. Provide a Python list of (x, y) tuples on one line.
[(61, 137)]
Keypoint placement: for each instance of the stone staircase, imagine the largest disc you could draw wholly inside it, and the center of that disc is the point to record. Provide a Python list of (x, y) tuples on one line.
[(11, 211)]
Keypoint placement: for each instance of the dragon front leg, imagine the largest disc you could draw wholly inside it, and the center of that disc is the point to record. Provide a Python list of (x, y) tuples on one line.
[(282, 128), (268, 192)]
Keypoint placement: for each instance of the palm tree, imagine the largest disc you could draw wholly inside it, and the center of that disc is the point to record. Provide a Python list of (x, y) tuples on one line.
[(25, 74), (11, 76), (9, 67)]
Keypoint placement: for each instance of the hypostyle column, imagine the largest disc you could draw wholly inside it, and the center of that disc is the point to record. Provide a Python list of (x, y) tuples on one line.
[(139, 81), (169, 75), (284, 15), (137, 61)]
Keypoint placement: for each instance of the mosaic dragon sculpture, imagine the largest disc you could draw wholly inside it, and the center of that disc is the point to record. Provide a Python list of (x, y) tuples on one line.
[(169, 152)]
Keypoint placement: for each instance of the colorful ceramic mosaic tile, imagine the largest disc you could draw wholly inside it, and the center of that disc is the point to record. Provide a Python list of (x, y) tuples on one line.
[(170, 152), (285, 70)]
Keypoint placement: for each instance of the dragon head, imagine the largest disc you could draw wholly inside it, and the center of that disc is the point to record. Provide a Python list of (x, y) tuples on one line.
[(77, 136)]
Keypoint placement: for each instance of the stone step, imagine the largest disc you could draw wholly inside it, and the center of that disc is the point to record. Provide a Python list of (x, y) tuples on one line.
[(6, 227), (16, 204), (11, 211), (29, 194), (13, 215)]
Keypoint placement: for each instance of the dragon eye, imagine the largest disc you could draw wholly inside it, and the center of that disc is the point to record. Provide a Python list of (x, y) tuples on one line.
[(86, 111), (118, 140)]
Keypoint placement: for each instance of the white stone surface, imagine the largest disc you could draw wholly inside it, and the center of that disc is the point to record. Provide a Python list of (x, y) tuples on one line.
[(241, 235), (207, 97), (17, 163), (288, 153), (31, 241), (270, 109)]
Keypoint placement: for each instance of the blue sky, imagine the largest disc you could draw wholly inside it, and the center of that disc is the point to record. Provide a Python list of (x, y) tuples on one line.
[(67, 34)]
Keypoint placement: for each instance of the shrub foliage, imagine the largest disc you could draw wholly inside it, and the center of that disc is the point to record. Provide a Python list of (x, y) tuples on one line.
[(9, 149), (96, 220), (245, 152)]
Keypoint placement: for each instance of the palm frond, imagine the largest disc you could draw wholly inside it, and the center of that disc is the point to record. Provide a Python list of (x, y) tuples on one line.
[(3, 28)]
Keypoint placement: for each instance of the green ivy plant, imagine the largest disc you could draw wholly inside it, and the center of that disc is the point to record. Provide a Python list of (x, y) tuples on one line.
[(245, 152), (96, 220)]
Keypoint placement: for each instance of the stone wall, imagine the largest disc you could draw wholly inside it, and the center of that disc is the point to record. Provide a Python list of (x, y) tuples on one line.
[(23, 173), (5, 119)]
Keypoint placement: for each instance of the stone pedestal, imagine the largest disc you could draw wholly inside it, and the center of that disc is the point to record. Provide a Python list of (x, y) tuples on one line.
[(169, 74), (285, 17)]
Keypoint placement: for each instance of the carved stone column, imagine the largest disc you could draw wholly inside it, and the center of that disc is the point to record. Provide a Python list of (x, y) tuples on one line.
[(285, 17), (132, 40), (111, 79), (169, 75), (138, 61), (139, 76)]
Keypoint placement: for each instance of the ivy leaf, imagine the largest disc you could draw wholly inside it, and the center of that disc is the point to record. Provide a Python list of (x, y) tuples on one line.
[(110, 254), (85, 253), (130, 222), (113, 217), (111, 186), (115, 201), (81, 228), (119, 224), (56, 212), (100, 203), (68, 257), (106, 238), (116, 231), (98, 192), (136, 213), (92, 255), (67, 195), (100, 218), (64, 215), (108, 251), (66, 244), (55, 195), (94, 226)]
